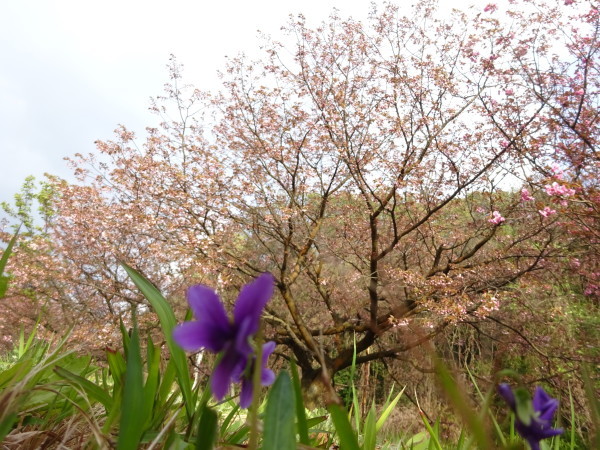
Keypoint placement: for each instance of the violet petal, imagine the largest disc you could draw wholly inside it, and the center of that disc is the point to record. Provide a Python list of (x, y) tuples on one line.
[(242, 337), (188, 336), (208, 308), (507, 394), (222, 376), (252, 300), (246, 393)]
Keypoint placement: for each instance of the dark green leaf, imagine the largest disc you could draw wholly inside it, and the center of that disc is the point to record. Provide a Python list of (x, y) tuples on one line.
[(300, 411), (339, 416), (167, 323), (207, 430), (279, 430), (132, 407), (94, 391)]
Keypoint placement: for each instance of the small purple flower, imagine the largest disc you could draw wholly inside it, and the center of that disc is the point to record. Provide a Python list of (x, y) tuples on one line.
[(267, 376), (214, 331), (533, 418)]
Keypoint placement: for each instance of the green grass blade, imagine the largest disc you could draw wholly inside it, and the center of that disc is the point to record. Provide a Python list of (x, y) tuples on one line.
[(460, 444), (594, 405), (433, 434), (300, 410), (345, 434), (167, 323), (151, 386), (117, 366), (124, 335), (239, 435), (485, 401), (388, 410), (314, 421), (228, 419), (33, 333), (207, 430), (279, 425), (132, 407), (573, 419), (355, 404), (370, 433), (93, 390), (6, 425), (16, 373), (166, 382), (461, 404)]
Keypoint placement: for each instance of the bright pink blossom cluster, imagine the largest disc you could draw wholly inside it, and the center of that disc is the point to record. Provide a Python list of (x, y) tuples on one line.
[(557, 171), (559, 190), (526, 196), (547, 211), (497, 218)]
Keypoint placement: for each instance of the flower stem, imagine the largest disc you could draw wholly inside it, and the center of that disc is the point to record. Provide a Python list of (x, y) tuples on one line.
[(256, 388)]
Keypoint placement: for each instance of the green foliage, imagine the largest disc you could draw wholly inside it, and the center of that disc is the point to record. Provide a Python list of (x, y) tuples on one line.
[(133, 406), (4, 279), (167, 322), (33, 206), (207, 430), (32, 389), (279, 424)]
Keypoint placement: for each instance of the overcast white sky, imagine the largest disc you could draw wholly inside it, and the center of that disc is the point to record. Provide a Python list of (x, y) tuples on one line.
[(71, 70)]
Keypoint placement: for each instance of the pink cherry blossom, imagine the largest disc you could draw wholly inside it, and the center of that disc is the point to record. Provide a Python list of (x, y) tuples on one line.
[(546, 212), (559, 190), (526, 196), (490, 7), (558, 172), (509, 92), (497, 218)]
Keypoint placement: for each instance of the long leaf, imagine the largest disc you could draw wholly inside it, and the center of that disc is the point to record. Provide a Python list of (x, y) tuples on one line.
[(279, 431), (458, 399), (167, 323), (370, 433), (339, 416), (132, 407), (93, 390), (151, 386), (485, 401), (6, 425), (573, 419), (433, 433), (117, 366), (228, 419), (300, 410), (207, 429), (388, 410)]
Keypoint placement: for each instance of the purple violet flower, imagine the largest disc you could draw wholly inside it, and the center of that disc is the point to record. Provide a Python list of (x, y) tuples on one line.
[(214, 331), (267, 377), (533, 418)]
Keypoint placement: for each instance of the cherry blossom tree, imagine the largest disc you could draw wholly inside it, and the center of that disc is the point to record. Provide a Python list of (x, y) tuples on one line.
[(383, 172)]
